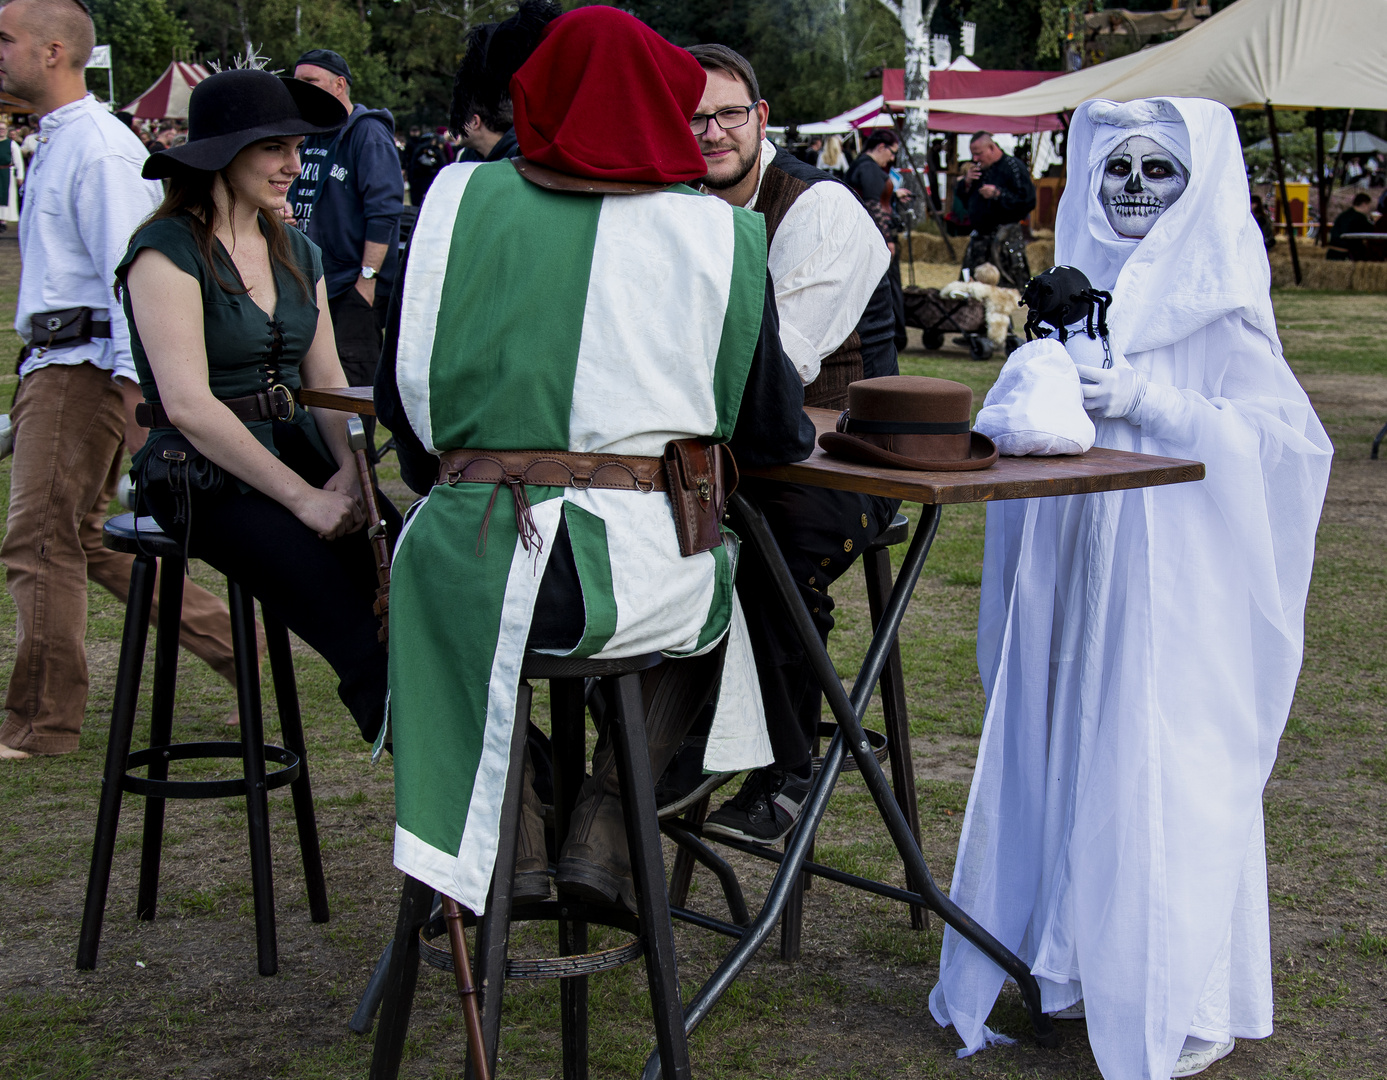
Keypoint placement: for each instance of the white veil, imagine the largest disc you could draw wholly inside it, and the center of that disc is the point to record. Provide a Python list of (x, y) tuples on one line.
[(1203, 258), (1140, 649)]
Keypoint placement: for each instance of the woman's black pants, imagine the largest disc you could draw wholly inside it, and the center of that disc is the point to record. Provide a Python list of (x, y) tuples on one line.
[(322, 590)]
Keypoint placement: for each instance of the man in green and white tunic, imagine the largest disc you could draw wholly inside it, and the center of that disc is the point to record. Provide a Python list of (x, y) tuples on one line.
[(539, 319)]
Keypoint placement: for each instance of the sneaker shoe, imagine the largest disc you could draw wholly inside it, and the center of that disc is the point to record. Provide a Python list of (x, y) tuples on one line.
[(1071, 1012), (684, 783), (764, 811), (1196, 1061)]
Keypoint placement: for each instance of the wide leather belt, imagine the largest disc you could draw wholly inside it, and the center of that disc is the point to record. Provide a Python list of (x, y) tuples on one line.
[(276, 403), (552, 468)]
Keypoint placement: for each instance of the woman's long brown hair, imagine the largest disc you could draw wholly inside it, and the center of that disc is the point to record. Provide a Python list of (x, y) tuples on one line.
[(188, 194)]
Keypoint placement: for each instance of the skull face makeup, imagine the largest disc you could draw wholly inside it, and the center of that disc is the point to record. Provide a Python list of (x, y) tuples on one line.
[(1141, 181)]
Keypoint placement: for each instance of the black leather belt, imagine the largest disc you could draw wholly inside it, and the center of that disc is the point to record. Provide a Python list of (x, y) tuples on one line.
[(276, 403)]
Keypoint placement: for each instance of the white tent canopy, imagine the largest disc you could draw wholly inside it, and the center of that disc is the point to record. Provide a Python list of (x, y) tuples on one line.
[(1297, 54), (844, 122)]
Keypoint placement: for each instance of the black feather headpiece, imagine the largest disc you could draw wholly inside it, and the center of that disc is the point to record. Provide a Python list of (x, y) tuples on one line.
[(495, 52)]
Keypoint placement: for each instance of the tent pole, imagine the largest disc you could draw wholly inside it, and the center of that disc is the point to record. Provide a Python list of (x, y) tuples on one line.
[(1285, 198), (926, 185), (1322, 233), (1339, 153)]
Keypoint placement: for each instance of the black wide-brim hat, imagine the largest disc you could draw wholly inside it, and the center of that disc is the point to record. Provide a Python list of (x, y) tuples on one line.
[(909, 422), (232, 109)]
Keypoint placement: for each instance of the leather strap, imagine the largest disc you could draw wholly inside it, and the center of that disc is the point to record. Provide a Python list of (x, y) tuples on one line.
[(276, 403), (101, 330), (854, 426), (552, 180), (552, 468)]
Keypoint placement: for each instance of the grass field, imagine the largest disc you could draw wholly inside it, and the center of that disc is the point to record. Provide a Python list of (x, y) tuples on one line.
[(179, 997)]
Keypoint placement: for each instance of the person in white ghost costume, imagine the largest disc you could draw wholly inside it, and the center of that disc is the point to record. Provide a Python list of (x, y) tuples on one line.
[(1139, 649)]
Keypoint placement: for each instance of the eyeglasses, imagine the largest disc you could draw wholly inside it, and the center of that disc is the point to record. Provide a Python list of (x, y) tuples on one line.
[(728, 119)]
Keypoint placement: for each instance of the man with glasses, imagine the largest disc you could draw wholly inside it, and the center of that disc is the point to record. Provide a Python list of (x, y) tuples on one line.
[(828, 264)]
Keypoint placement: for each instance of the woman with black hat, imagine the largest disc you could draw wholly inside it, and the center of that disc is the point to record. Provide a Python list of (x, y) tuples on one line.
[(228, 319)]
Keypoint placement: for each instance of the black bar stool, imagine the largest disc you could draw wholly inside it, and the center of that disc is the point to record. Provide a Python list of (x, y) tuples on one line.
[(654, 934), (149, 545)]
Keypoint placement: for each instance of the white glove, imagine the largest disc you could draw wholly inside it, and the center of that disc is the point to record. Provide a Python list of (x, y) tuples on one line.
[(1112, 392)]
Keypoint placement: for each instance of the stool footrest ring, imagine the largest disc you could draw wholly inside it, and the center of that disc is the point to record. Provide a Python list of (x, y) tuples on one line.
[(875, 739), (204, 789), (549, 967)]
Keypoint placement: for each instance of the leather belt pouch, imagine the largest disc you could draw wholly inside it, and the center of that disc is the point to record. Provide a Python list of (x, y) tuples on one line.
[(276, 403), (700, 476), (71, 326)]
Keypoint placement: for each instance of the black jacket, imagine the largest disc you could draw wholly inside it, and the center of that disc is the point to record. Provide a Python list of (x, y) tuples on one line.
[(1014, 201)]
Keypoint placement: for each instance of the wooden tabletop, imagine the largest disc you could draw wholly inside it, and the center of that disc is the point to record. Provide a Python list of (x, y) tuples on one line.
[(355, 399), (1009, 478)]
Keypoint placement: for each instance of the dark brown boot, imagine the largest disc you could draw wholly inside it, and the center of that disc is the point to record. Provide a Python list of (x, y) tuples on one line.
[(596, 865), (531, 859)]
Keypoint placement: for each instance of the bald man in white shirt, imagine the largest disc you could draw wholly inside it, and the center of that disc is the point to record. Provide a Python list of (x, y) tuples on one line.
[(83, 198)]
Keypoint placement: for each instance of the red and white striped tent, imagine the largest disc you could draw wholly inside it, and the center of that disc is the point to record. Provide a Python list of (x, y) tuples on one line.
[(167, 99)]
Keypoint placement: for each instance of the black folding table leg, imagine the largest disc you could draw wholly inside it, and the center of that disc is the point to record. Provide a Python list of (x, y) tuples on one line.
[(494, 934), (127, 693), (160, 727), (648, 868), (291, 728), (416, 899), (792, 918), (877, 565), (242, 607), (849, 711), (568, 712)]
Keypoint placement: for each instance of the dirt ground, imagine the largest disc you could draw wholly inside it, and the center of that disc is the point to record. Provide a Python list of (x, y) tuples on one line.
[(179, 996)]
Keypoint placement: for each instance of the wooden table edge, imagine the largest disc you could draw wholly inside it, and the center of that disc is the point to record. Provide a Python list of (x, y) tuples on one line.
[(357, 399)]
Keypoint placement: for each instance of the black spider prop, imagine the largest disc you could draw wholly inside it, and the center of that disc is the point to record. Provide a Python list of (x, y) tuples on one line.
[(1061, 296)]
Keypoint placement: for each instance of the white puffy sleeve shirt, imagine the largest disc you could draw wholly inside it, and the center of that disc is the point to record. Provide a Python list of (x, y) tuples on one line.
[(83, 198), (826, 260)]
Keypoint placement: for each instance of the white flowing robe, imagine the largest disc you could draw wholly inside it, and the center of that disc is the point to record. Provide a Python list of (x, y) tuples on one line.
[(1140, 650)]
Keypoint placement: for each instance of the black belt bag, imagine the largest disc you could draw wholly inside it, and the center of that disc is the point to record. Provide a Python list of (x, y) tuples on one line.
[(174, 463), (71, 326), (276, 403)]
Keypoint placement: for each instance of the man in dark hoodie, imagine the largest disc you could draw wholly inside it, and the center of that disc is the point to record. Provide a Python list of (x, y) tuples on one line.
[(347, 200)]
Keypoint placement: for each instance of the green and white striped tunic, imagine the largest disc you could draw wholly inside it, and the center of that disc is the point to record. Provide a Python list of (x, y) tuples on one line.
[(538, 320)]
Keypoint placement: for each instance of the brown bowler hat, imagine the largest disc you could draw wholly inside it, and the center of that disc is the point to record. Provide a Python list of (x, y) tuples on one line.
[(910, 422)]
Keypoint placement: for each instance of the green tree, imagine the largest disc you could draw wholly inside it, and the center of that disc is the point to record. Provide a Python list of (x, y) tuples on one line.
[(812, 57), (144, 36)]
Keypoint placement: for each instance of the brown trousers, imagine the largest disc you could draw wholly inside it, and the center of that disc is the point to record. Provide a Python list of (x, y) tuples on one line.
[(69, 425)]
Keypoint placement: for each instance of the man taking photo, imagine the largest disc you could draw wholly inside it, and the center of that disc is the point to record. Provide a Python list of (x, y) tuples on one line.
[(999, 194)]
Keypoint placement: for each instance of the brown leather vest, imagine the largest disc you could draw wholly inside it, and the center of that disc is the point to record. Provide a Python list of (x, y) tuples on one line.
[(779, 190)]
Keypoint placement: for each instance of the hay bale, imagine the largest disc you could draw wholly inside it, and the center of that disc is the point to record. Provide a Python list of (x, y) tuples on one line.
[(1369, 277), (1319, 274), (1040, 255), (930, 275), (929, 248)]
